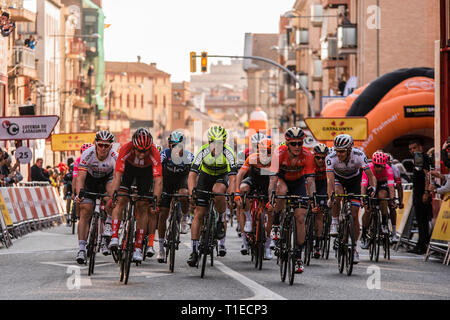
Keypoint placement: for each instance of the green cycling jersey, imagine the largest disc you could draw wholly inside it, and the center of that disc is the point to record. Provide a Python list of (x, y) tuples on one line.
[(214, 165)]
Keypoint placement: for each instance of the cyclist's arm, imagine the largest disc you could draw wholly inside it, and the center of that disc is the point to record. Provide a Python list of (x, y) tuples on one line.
[(391, 192), (158, 187), (330, 183), (310, 185), (272, 184), (371, 177), (232, 182), (242, 172), (192, 181), (399, 188), (116, 180), (81, 178)]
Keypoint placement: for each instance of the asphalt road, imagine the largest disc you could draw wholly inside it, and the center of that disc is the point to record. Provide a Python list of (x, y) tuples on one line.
[(42, 266)]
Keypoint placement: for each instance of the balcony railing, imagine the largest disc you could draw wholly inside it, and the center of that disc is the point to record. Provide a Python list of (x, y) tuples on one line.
[(17, 12), (329, 49), (334, 3), (24, 61), (77, 48), (77, 87)]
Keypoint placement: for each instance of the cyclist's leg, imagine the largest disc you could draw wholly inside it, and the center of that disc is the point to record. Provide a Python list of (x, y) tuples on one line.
[(383, 193), (220, 204), (336, 208), (86, 209), (144, 212), (245, 212), (281, 190)]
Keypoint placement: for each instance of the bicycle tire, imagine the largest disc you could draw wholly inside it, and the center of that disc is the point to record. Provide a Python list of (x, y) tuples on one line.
[(92, 244), (173, 236), (340, 250), (206, 241), (130, 244), (260, 241), (378, 240), (73, 216), (350, 254), (309, 239), (284, 252), (292, 258)]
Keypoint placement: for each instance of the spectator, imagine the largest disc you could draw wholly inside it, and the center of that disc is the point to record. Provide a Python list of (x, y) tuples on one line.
[(19, 41), (446, 153), (32, 43), (37, 172), (421, 195), (14, 175), (445, 179)]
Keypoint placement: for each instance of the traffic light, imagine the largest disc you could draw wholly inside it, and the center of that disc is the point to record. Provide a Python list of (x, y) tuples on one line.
[(204, 61), (193, 61)]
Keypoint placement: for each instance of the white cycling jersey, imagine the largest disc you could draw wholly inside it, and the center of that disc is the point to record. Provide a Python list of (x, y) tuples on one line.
[(95, 167), (350, 169)]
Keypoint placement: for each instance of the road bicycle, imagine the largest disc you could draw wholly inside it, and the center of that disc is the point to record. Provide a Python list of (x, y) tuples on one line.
[(257, 237), (172, 236), (127, 235), (285, 246), (310, 226), (208, 236), (96, 224)]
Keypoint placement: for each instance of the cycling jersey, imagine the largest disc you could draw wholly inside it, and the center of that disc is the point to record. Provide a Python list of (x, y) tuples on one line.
[(256, 168), (320, 173), (176, 165), (94, 167), (292, 169), (205, 162), (385, 177), (76, 163), (350, 169), (128, 155)]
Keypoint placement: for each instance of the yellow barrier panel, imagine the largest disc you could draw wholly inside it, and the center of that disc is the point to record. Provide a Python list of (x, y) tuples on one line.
[(441, 229), (403, 214), (5, 211)]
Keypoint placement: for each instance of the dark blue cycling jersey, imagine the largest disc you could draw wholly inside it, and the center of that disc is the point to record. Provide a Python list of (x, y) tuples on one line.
[(176, 164)]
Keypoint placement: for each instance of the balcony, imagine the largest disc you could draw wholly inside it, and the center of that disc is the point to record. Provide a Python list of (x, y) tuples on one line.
[(317, 70), (17, 12), (24, 62), (334, 3), (302, 38), (316, 15), (291, 58), (347, 40), (76, 49), (77, 87), (329, 49)]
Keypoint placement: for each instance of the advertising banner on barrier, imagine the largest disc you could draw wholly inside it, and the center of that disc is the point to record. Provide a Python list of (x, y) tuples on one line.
[(5, 212), (402, 218), (441, 229)]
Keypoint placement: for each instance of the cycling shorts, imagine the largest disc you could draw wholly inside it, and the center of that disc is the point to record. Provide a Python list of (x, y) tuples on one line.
[(205, 183), (143, 177), (95, 185), (171, 186), (259, 184)]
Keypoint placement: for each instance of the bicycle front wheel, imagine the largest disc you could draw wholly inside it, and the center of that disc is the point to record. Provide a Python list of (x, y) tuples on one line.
[(205, 242), (260, 241), (92, 249), (350, 245), (292, 245)]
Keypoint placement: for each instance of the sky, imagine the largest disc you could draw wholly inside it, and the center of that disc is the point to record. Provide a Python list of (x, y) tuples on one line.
[(165, 31)]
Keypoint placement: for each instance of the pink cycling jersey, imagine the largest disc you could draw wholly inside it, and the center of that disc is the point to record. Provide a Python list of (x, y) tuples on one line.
[(386, 176), (75, 167)]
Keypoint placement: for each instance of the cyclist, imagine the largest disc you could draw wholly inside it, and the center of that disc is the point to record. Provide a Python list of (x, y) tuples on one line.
[(293, 165), (139, 161), (320, 153), (385, 186), (399, 188), (176, 163), (95, 174), (257, 166), (68, 177), (215, 167), (344, 166)]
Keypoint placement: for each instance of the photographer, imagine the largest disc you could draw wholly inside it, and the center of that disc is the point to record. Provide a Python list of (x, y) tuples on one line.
[(421, 194)]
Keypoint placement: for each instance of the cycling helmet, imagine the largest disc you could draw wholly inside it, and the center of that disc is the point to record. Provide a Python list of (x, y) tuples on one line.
[(176, 137), (379, 158), (257, 138), (85, 146), (142, 140), (321, 148), (217, 133), (343, 141), (265, 144), (104, 135), (294, 133)]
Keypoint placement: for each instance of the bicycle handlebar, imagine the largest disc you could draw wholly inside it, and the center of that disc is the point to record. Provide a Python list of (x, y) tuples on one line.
[(176, 195), (151, 199)]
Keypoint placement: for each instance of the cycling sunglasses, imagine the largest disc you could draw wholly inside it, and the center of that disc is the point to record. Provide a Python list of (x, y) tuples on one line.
[(320, 158), (103, 145), (379, 166), (295, 144)]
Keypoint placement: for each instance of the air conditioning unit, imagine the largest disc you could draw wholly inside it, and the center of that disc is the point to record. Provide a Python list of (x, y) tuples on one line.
[(317, 70), (303, 78), (329, 48), (347, 36), (302, 36)]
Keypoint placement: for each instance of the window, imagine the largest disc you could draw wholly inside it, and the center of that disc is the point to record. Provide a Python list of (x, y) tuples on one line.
[(121, 105), (135, 101), (128, 100), (142, 101)]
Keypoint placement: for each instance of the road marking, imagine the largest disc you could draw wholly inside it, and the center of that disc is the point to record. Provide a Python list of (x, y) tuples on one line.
[(39, 251), (261, 292)]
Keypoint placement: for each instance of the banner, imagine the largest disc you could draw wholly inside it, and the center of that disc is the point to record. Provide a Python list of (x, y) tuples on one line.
[(326, 129), (5, 212), (441, 229), (27, 127), (71, 141), (407, 201)]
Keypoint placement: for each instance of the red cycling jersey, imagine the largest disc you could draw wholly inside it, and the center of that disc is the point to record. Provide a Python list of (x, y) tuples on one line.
[(321, 173), (127, 154), (292, 169)]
